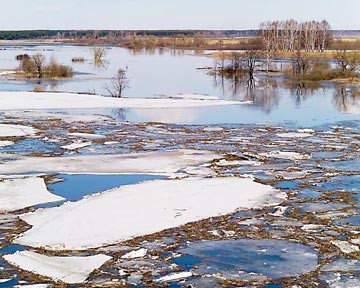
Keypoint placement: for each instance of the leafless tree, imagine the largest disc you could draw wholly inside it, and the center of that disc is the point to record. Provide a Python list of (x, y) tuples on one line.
[(39, 61), (291, 35), (348, 61), (99, 54), (299, 64), (118, 84), (324, 35)]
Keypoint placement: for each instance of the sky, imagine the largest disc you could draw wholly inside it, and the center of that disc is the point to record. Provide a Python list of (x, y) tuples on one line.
[(172, 14)]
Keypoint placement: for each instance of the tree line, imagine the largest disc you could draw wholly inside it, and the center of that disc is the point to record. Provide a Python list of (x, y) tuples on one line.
[(118, 34), (290, 35)]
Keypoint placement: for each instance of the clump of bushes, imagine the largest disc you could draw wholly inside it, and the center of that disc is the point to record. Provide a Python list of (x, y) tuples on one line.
[(21, 57), (347, 67), (38, 89), (78, 60), (55, 70), (36, 67)]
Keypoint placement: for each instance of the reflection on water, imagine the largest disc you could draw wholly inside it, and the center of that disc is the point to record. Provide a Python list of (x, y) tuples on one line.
[(346, 101), (167, 72)]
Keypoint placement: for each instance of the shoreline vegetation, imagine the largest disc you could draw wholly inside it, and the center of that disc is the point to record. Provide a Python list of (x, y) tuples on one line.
[(35, 67), (311, 50)]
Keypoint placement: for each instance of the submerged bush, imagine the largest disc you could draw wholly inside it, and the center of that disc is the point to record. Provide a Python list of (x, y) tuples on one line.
[(35, 67), (55, 70), (21, 57), (78, 59), (320, 70)]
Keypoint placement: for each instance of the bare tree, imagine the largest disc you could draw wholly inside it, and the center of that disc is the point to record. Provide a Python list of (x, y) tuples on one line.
[(39, 61), (99, 54), (118, 84), (324, 35), (348, 61), (270, 44), (299, 64), (290, 35)]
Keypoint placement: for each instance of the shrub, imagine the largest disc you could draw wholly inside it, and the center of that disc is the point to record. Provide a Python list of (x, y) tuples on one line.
[(27, 65), (78, 59), (22, 57), (34, 67), (55, 70), (38, 89)]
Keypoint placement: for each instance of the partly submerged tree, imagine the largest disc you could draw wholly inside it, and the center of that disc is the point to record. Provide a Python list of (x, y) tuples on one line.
[(348, 62), (118, 84), (99, 54), (36, 67), (39, 62)]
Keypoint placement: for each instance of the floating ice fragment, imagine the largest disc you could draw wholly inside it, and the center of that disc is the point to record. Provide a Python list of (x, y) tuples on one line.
[(70, 270), (175, 277), (345, 246), (135, 254), (8, 130), (16, 194)]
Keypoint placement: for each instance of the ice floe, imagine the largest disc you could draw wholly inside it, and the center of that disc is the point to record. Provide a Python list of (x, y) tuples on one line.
[(76, 146), (175, 276), (32, 100), (6, 143), (285, 155), (141, 209), (162, 162), (70, 270), (135, 254), (8, 130), (16, 194), (345, 246), (294, 135), (87, 135)]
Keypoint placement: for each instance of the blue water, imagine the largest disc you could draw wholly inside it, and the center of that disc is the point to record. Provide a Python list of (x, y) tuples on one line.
[(29, 146), (273, 258), (308, 193), (175, 73), (286, 185), (9, 250), (76, 186)]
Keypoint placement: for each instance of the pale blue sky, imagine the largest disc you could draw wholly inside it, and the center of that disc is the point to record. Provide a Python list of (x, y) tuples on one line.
[(172, 14)]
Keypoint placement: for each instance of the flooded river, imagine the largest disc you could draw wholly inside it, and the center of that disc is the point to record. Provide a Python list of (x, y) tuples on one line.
[(298, 146)]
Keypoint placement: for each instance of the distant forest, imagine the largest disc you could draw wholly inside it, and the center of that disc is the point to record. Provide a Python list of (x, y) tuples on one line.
[(94, 34)]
